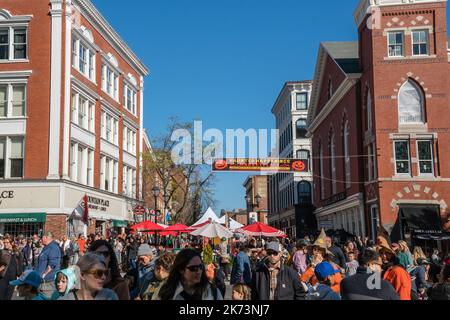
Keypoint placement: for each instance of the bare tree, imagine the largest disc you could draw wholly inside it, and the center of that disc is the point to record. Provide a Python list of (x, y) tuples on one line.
[(187, 187)]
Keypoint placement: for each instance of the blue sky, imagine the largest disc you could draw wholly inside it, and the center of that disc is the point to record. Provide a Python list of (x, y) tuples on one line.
[(225, 62)]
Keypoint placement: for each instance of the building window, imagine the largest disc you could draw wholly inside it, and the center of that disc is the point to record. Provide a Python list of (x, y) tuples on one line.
[(16, 157), (82, 164), (369, 125), (129, 181), (304, 192), (130, 96), (333, 164), (301, 125), (12, 100), (108, 174), (420, 42), (302, 101), (375, 222), (83, 59), (13, 43), (304, 156), (425, 156), (369, 163), (347, 164), (2, 157), (330, 89), (110, 82), (396, 44), (83, 112), (402, 157), (410, 104), (129, 140), (110, 128), (322, 178)]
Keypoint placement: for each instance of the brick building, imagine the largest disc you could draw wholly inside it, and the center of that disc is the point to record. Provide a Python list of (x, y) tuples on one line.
[(379, 123), (71, 117), (257, 198)]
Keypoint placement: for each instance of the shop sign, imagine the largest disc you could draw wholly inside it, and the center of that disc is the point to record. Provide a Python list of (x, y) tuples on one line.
[(23, 218), (98, 204), (5, 195)]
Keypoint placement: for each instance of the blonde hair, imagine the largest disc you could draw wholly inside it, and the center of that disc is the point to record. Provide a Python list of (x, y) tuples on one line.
[(417, 254), (403, 246), (242, 289)]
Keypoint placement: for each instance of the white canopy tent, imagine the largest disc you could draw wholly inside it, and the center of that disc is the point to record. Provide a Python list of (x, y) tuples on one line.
[(233, 223), (209, 214)]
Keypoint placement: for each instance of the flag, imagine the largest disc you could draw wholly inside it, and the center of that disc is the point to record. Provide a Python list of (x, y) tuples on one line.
[(168, 216), (81, 212)]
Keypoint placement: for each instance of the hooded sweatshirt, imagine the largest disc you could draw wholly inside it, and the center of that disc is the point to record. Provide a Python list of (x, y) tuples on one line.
[(322, 292), (71, 283)]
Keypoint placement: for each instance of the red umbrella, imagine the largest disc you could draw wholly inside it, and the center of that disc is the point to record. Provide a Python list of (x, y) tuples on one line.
[(178, 228), (260, 229), (147, 226)]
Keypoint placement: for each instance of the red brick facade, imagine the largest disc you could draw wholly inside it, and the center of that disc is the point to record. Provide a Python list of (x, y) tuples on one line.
[(372, 80)]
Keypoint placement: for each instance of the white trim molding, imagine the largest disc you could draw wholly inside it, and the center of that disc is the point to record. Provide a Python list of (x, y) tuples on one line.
[(67, 87), (56, 13)]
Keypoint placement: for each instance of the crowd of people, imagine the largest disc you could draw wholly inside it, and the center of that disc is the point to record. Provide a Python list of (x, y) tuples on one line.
[(142, 267)]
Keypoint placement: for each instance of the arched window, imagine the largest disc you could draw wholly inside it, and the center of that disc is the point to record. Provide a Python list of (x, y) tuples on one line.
[(347, 155), (301, 125), (304, 156), (304, 192), (333, 163), (410, 103)]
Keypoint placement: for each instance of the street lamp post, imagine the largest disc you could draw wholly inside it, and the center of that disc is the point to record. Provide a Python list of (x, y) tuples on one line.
[(156, 192)]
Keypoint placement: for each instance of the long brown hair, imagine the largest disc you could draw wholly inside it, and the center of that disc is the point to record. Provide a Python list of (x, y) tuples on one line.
[(181, 261)]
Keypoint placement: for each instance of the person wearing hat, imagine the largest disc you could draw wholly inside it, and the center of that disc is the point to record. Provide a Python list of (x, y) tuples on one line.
[(394, 273), (419, 277), (144, 273), (273, 280), (28, 286), (441, 291), (300, 257), (319, 250), (324, 273)]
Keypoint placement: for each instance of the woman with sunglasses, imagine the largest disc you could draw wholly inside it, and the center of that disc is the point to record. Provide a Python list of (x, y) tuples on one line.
[(114, 280), (93, 275), (187, 280)]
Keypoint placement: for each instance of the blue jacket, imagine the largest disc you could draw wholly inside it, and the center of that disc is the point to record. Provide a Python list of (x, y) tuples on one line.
[(50, 256), (322, 292), (241, 271)]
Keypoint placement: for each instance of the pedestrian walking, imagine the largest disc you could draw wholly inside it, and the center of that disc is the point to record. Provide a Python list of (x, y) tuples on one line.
[(325, 276), (363, 284), (275, 281), (143, 274), (93, 275), (241, 270), (10, 268), (187, 279), (66, 283), (28, 286), (300, 257), (338, 254), (49, 263), (114, 281), (163, 265)]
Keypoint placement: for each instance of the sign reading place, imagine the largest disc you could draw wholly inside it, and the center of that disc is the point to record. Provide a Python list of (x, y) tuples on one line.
[(7, 194)]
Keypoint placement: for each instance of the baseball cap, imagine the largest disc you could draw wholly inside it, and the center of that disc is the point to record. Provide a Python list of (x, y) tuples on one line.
[(29, 277), (324, 270), (274, 246)]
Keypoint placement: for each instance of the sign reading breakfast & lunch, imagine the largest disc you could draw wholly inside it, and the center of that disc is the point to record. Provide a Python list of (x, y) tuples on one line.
[(23, 218)]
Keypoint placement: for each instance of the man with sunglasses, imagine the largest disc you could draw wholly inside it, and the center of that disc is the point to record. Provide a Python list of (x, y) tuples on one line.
[(273, 280), (367, 283)]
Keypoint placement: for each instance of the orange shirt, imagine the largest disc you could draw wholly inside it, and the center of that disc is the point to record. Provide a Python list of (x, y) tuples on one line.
[(309, 276), (401, 280), (82, 245)]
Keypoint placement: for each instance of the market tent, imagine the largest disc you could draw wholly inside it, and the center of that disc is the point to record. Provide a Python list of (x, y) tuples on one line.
[(260, 229), (233, 223), (147, 226), (209, 214), (213, 230)]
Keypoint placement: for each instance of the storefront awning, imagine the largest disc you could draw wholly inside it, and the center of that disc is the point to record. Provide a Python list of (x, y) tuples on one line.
[(23, 218), (424, 222), (119, 224)]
